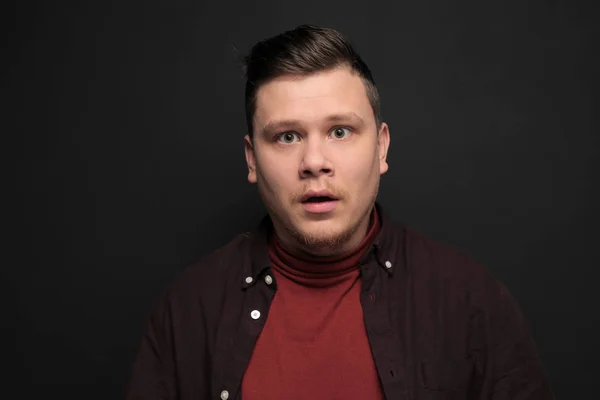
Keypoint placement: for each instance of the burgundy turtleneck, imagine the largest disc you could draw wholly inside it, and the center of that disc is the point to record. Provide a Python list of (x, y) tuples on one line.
[(314, 343)]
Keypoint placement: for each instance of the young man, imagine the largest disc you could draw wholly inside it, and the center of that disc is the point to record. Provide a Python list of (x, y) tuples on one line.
[(329, 298)]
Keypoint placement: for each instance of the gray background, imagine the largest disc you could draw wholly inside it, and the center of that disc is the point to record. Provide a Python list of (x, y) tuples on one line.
[(124, 127)]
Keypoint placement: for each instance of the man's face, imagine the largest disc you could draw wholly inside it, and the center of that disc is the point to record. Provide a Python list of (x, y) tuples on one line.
[(317, 133)]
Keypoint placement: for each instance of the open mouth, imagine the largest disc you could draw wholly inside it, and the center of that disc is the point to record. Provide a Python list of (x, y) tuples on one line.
[(318, 199), (319, 204)]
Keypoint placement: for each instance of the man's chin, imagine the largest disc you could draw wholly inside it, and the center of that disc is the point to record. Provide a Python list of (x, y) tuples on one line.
[(320, 241)]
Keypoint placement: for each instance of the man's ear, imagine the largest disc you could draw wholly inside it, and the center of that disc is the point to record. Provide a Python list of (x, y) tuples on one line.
[(250, 159), (383, 144)]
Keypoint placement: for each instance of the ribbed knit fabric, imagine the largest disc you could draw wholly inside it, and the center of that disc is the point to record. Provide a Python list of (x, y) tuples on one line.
[(314, 343)]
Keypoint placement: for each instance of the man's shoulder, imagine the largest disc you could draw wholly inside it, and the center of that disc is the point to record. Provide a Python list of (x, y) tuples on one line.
[(432, 259), (213, 270), (442, 273)]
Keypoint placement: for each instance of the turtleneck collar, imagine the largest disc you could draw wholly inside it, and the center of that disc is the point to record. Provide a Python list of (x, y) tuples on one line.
[(306, 269)]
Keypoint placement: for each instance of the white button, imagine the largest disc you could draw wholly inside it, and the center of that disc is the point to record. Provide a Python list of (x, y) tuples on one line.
[(268, 279), (255, 314), (249, 279), (224, 395), (388, 264)]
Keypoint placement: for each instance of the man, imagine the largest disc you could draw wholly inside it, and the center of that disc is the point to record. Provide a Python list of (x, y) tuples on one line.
[(329, 298)]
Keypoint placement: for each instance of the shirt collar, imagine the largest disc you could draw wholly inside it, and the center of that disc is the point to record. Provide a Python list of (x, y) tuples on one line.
[(383, 248)]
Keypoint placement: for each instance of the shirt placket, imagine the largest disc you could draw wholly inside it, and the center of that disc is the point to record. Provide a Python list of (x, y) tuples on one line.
[(383, 339), (256, 304)]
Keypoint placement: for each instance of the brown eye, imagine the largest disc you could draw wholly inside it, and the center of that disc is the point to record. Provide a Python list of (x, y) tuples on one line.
[(340, 133)]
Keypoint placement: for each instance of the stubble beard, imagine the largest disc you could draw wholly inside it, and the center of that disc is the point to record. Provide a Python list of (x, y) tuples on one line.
[(323, 243), (319, 243)]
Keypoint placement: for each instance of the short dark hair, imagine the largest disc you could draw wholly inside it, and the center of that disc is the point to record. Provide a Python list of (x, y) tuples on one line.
[(304, 50)]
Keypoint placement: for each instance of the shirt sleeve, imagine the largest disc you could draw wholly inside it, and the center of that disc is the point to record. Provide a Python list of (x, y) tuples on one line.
[(153, 372), (514, 370)]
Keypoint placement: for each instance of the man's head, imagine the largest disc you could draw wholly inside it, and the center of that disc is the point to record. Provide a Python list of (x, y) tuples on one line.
[(314, 131), (302, 51)]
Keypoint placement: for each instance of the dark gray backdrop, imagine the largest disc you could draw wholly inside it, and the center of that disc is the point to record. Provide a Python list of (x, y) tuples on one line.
[(128, 121)]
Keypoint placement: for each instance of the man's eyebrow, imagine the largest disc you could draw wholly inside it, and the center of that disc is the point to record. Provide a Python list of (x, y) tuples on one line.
[(280, 125), (345, 117)]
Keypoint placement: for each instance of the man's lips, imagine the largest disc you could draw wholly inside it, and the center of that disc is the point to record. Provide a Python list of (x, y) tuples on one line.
[(313, 196), (320, 207), (319, 201)]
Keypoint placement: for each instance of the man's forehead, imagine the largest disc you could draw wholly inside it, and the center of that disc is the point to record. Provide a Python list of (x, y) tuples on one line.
[(320, 96)]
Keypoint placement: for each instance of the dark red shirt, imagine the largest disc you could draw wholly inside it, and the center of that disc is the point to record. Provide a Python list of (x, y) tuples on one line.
[(439, 325), (314, 343)]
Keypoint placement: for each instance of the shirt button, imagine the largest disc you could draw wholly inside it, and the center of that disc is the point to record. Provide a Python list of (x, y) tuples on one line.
[(268, 279), (249, 279), (255, 314), (224, 395), (388, 264)]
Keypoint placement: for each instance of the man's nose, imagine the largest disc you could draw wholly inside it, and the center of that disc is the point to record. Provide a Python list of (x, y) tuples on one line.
[(315, 161)]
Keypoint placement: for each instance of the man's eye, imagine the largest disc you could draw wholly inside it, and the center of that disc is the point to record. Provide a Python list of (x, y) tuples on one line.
[(340, 133), (287, 137)]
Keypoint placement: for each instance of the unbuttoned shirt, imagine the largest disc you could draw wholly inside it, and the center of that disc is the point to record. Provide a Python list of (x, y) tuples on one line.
[(439, 325)]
